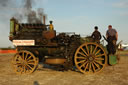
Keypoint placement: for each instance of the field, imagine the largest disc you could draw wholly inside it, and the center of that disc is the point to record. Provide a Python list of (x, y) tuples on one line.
[(110, 75)]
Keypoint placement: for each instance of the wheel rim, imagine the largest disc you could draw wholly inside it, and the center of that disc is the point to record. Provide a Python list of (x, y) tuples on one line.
[(90, 58), (24, 62)]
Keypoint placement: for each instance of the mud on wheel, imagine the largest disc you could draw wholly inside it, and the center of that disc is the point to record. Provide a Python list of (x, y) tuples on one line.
[(24, 62), (90, 58)]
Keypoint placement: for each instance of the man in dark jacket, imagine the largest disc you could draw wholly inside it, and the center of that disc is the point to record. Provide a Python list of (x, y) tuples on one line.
[(96, 35)]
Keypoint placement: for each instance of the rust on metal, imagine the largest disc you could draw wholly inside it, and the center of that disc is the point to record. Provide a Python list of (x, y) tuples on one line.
[(55, 61)]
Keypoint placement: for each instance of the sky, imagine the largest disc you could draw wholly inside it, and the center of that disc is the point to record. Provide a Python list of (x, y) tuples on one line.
[(79, 16)]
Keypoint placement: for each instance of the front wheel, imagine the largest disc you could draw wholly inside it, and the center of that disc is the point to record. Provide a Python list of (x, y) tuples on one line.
[(90, 58), (24, 62)]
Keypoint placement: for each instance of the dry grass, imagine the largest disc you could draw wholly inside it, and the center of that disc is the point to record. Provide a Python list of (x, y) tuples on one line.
[(112, 75)]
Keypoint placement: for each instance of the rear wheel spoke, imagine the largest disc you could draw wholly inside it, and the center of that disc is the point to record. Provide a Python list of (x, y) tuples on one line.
[(93, 67), (100, 63), (95, 49), (81, 58), (82, 54), (101, 59), (90, 67), (100, 55), (96, 65), (87, 49), (84, 51), (91, 49), (83, 65), (82, 61), (86, 66), (98, 52)]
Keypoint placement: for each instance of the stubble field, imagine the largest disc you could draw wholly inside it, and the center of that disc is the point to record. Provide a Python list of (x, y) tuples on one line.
[(110, 75)]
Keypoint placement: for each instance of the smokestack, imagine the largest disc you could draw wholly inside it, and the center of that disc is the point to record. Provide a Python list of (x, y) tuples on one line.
[(44, 19)]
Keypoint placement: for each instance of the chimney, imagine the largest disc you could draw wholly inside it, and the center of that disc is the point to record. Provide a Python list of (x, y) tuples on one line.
[(44, 19)]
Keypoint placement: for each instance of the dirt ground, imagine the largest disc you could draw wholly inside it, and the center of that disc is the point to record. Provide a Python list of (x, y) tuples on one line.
[(110, 75)]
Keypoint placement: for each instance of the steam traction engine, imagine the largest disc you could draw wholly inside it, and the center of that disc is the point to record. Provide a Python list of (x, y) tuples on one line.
[(36, 43)]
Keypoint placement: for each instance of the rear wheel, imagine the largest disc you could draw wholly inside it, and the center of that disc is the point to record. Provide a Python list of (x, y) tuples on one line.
[(24, 62), (90, 58)]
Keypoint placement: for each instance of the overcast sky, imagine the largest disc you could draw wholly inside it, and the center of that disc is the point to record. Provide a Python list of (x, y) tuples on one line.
[(78, 16)]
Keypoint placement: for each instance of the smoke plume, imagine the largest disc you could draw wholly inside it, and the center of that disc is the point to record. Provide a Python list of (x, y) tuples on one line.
[(4, 3), (24, 12), (32, 15)]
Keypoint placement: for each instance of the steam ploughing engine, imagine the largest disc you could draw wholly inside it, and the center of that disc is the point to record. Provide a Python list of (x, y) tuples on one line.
[(36, 43)]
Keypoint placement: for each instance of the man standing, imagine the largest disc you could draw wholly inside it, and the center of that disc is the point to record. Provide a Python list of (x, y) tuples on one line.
[(112, 37), (51, 27), (96, 35)]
